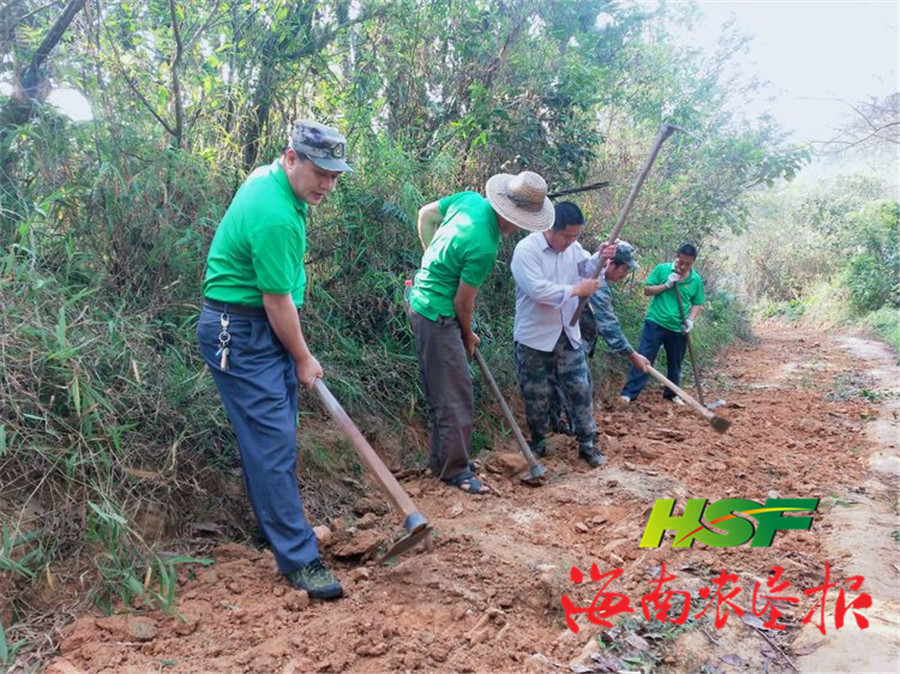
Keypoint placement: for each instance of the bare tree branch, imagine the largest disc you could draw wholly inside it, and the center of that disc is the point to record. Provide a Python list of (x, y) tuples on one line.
[(874, 125), (31, 76), (137, 92), (176, 83), (28, 15), (846, 144), (204, 26)]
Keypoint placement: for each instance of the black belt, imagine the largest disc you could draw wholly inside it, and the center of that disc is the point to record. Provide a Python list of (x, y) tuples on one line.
[(236, 309)]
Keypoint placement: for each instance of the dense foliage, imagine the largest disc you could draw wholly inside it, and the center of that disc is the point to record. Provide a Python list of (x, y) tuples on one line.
[(829, 252), (104, 409)]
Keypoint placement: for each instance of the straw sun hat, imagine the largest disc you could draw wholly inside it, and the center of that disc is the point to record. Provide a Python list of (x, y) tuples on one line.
[(521, 199)]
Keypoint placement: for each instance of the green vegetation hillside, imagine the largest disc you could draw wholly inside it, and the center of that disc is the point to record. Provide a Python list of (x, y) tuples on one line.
[(114, 448)]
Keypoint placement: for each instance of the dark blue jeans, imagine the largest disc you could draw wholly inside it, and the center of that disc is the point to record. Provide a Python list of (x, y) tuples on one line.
[(654, 336), (259, 391)]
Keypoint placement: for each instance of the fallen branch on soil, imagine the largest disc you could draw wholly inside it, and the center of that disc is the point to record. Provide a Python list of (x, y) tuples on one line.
[(777, 648), (710, 637)]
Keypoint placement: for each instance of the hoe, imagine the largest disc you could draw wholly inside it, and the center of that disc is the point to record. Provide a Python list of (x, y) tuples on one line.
[(417, 527)]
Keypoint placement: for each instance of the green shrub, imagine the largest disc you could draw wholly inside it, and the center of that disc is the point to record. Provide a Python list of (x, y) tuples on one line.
[(884, 324), (873, 274), (869, 283), (790, 311)]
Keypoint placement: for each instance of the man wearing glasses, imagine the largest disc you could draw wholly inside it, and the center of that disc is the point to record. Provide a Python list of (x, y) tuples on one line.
[(251, 338)]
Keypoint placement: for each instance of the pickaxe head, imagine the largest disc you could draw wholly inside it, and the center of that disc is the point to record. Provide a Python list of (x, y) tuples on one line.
[(721, 424), (672, 128)]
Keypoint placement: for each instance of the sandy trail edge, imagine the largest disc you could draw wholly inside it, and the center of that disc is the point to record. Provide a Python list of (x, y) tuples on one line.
[(864, 531)]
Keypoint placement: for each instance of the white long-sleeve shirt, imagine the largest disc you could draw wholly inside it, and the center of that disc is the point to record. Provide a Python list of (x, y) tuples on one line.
[(544, 301)]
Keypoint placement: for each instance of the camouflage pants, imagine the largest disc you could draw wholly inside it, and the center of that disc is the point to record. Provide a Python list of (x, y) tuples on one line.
[(561, 413), (566, 367)]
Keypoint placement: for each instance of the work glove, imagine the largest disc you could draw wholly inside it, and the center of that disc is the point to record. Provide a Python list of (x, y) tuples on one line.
[(688, 324), (674, 278)]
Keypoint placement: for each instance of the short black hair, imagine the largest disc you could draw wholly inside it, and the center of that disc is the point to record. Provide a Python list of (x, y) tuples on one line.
[(567, 214), (687, 249)]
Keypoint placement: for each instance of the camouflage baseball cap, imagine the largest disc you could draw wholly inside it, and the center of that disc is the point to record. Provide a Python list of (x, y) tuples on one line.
[(324, 146), (625, 255)]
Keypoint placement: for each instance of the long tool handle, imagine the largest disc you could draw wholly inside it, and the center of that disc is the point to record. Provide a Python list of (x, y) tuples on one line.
[(665, 131), (576, 190), (372, 461), (687, 336), (677, 390), (507, 413)]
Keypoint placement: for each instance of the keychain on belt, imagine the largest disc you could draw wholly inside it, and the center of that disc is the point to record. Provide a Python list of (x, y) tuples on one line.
[(224, 339)]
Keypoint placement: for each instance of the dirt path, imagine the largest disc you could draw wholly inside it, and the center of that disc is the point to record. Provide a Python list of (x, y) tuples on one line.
[(486, 598), (868, 530)]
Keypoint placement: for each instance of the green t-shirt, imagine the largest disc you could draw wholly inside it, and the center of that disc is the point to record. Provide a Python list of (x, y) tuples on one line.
[(664, 307), (259, 245), (464, 248)]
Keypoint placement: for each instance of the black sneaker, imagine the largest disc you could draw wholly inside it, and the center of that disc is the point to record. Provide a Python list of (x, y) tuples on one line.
[(317, 580), (592, 455)]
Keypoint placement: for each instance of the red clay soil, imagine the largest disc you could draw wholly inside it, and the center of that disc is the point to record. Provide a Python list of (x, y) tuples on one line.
[(486, 596)]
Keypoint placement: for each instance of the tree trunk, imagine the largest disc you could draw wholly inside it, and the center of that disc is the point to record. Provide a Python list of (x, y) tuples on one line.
[(29, 87)]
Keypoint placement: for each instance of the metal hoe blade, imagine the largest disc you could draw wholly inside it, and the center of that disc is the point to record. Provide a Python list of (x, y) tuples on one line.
[(418, 530), (536, 472), (535, 476)]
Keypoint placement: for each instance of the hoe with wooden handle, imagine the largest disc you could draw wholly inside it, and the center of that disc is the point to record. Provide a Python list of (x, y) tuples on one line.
[(536, 472), (721, 424), (576, 190), (665, 131), (417, 527), (690, 346)]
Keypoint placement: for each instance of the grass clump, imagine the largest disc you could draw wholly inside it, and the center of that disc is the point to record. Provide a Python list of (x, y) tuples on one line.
[(884, 325)]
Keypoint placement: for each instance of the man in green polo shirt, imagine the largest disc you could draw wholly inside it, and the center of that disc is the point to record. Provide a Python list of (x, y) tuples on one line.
[(663, 325), (251, 338), (461, 235)]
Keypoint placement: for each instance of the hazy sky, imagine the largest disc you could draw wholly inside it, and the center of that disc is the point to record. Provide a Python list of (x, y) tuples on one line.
[(813, 52)]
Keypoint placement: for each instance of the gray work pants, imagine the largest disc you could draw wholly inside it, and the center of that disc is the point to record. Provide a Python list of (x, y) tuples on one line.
[(445, 381)]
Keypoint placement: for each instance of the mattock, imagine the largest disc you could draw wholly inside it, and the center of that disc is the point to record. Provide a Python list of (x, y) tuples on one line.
[(665, 131), (687, 336), (417, 527), (721, 424), (536, 472)]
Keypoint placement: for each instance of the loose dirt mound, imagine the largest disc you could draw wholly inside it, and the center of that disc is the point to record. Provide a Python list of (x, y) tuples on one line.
[(486, 597)]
